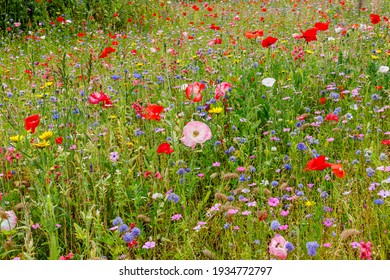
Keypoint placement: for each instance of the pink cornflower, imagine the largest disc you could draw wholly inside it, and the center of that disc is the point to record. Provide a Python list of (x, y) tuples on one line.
[(216, 164), (328, 222)]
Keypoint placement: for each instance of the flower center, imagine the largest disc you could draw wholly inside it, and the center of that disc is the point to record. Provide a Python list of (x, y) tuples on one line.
[(195, 133)]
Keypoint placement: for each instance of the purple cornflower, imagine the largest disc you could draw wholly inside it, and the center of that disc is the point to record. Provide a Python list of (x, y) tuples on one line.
[(301, 147), (128, 237), (275, 225), (312, 248), (173, 197), (117, 221), (135, 232), (123, 228), (289, 247)]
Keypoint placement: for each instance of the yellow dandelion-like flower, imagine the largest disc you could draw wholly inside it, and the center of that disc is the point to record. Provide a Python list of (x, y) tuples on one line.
[(216, 110), (112, 117), (16, 138), (129, 144), (46, 135), (42, 144), (310, 203), (309, 51), (374, 57)]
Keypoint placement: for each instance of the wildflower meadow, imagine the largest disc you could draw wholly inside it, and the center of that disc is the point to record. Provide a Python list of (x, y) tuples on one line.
[(194, 130)]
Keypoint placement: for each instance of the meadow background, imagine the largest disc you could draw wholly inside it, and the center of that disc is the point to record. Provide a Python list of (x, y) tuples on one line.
[(93, 104)]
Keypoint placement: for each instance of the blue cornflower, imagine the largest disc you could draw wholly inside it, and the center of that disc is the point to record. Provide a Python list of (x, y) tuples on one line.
[(226, 226), (378, 201), (287, 166), (301, 146), (123, 228), (232, 159), (289, 247), (137, 76), (312, 248), (275, 225), (181, 171), (375, 96), (274, 183), (135, 232), (117, 221), (115, 77), (173, 197), (230, 198), (370, 172), (128, 237)]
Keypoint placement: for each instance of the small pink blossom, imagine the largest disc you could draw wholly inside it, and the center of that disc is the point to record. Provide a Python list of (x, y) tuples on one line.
[(273, 201), (240, 169), (176, 217), (327, 245), (283, 227), (9, 222), (149, 245), (284, 213)]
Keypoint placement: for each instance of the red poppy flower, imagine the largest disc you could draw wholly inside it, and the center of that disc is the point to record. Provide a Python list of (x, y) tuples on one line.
[(61, 19), (218, 41), (59, 140), (337, 170), (106, 52), (386, 142), (268, 41), (322, 100), (165, 148), (317, 164), (194, 91), (31, 122), (254, 34), (322, 26), (152, 112), (375, 19), (332, 117), (309, 35)]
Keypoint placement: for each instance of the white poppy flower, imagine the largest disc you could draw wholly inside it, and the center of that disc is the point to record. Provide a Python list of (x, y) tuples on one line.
[(383, 69), (268, 82)]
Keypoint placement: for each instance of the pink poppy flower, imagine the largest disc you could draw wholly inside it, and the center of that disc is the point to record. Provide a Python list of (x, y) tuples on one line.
[(7, 220), (97, 97), (277, 247), (221, 90), (196, 132)]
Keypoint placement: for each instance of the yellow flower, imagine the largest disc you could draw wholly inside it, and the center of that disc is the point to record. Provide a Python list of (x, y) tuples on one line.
[(129, 144), (42, 144), (374, 57), (216, 110), (310, 203), (47, 84), (112, 117), (46, 135), (309, 51), (16, 138)]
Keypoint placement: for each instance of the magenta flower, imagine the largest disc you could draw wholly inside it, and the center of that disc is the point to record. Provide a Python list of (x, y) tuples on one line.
[(149, 245), (273, 201), (277, 247), (196, 132), (7, 220)]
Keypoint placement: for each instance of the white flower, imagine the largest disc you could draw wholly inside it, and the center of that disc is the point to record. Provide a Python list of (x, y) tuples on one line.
[(331, 39), (7, 220), (183, 86), (338, 29), (383, 69), (268, 82)]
